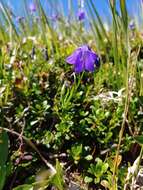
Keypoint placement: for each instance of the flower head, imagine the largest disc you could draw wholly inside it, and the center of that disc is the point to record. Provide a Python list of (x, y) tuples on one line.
[(132, 25), (55, 17), (81, 15), (84, 59), (20, 18), (32, 7)]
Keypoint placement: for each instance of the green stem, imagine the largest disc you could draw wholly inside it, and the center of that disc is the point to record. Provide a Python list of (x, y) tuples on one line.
[(128, 93), (140, 158)]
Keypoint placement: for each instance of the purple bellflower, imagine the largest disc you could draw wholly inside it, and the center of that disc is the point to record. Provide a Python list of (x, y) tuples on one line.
[(81, 15), (84, 59), (55, 17), (32, 7), (20, 18), (132, 25)]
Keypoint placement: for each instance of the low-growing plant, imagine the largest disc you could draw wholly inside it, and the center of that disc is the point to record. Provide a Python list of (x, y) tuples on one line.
[(71, 93)]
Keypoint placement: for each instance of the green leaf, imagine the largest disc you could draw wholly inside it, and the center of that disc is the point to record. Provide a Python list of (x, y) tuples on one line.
[(89, 157), (24, 187), (2, 176), (100, 22), (57, 179), (3, 157), (105, 167), (76, 150), (139, 139), (96, 180), (99, 169), (3, 147), (92, 169), (124, 14), (88, 179)]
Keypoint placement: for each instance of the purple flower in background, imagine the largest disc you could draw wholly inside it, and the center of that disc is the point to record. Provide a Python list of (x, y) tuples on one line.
[(132, 25), (84, 59), (81, 15), (55, 17), (32, 7), (20, 18)]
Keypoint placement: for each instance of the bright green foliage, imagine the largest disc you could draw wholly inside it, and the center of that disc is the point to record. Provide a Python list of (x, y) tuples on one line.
[(57, 179), (98, 170), (2, 176), (76, 151), (139, 139), (50, 115), (3, 147), (24, 187)]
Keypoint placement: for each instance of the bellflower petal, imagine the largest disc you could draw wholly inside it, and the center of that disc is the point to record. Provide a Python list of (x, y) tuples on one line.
[(81, 15), (79, 65), (32, 7), (89, 61), (84, 59), (72, 59)]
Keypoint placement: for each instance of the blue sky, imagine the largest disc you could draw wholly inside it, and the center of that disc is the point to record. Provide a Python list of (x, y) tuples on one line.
[(101, 5)]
